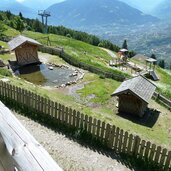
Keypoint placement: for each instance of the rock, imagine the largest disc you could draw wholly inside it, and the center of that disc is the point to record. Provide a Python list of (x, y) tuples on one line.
[(5, 80), (73, 74), (51, 67), (63, 85)]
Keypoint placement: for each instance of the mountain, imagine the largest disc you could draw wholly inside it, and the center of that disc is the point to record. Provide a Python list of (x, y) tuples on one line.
[(163, 10), (146, 6), (85, 13), (16, 7)]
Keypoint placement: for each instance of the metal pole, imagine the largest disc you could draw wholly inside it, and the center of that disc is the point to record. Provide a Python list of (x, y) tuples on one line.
[(46, 25)]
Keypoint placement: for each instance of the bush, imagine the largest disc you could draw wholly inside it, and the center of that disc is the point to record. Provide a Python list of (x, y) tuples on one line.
[(5, 72)]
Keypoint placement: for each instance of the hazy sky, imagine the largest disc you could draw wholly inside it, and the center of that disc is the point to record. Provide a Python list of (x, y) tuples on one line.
[(37, 4)]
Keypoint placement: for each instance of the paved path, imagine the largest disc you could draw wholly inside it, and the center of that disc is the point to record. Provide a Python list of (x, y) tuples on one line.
[(112, 54), (70, 155)]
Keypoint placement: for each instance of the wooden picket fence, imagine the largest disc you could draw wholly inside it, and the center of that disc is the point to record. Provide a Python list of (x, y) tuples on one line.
[(113, 137)]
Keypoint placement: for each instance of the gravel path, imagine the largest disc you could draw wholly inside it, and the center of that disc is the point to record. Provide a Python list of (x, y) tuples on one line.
[(70, 155), (112, 54)]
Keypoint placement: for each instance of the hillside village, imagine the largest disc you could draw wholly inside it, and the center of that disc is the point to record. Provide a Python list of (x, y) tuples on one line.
[(100, 95)]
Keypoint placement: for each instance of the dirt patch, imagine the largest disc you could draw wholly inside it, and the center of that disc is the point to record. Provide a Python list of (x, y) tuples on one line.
[(70, 155)]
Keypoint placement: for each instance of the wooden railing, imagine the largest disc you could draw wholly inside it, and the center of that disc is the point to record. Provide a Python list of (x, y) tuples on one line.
[(19, 151), (113, 137), (166, 102), (71, 60)]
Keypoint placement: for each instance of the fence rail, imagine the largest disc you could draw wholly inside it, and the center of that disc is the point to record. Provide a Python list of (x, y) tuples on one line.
[(166, 102), (60, 52), (113, 137)]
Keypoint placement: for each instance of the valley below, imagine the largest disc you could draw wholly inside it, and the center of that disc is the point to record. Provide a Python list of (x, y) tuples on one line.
[(146, 39)]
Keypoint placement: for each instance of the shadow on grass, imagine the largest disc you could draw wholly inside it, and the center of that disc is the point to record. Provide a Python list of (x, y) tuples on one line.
[(149, 119)]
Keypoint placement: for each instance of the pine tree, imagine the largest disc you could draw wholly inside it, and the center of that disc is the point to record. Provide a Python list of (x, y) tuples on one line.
[(2, 29), (124, 45), (18, 23), (21, 16), (153, 56), (162, 63)]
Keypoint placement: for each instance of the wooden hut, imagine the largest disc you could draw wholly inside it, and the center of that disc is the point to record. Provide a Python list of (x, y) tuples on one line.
[(25, 50), (134, 95)]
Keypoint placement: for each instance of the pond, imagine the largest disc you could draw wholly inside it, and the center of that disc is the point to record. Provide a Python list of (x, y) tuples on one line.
[(41, 74)]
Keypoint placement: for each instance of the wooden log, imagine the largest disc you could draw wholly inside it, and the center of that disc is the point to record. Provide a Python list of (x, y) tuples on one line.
[(22, 148)]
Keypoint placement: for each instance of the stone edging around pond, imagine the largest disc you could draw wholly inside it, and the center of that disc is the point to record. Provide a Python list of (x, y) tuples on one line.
[(79, 74)]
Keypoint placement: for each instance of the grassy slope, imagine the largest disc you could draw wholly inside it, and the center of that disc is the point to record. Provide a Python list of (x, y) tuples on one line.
[(102, 89), (94, 55)]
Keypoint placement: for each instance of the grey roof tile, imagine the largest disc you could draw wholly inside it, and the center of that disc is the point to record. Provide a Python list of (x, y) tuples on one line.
[(19, 40), (139, 86)]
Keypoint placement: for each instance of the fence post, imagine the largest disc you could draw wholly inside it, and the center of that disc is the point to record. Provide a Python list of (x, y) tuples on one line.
[(136, 146), (168, 161)]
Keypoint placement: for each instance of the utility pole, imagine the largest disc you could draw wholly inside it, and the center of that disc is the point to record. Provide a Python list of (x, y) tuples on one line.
[(44, 14)]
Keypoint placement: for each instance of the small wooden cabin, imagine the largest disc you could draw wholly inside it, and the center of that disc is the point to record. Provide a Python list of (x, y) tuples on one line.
[(26, 50), (134, 95)]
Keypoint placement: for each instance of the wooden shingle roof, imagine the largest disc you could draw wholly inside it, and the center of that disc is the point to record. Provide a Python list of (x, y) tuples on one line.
[(19, 40), (139, 86)]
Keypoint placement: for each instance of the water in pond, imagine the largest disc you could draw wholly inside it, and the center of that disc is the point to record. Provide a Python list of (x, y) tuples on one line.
[(41, 75)]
